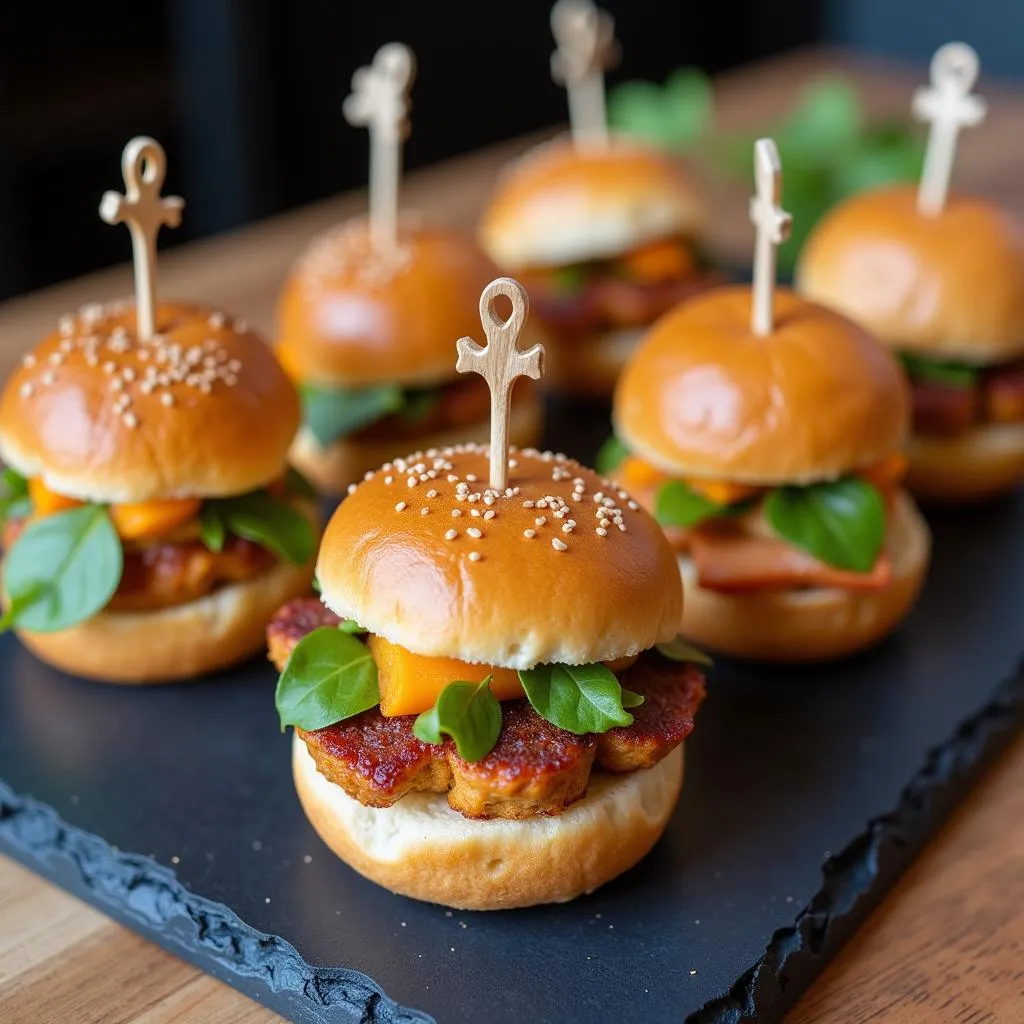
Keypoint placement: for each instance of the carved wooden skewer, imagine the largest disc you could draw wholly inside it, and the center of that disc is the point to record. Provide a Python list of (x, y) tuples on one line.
[(500, 362), (948, 106), (145, 211), (586, 49), (380, 100), (772, 226)]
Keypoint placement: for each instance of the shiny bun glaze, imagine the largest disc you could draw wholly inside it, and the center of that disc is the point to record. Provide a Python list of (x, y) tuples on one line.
[(561, 203), (703, 396), (562, 567), (350, 316), (201, 410), (950, 286)]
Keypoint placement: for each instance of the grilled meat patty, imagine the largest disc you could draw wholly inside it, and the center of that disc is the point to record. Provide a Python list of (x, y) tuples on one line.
[(535, 767)]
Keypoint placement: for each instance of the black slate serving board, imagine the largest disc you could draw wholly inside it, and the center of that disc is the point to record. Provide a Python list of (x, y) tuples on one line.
[(808, 790)]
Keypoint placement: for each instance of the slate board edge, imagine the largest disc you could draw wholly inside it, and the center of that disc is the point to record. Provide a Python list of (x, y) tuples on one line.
[(855, 880), (148, 898)]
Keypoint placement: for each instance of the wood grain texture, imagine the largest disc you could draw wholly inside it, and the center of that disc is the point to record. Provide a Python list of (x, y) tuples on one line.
[(947, 946)]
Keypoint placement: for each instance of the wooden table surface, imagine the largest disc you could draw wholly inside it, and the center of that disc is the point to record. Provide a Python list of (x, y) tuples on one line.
[(946, 946)]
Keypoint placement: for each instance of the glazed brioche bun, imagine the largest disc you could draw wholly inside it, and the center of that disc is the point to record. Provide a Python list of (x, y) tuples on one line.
[(181, 642), (348, 460), (703, 396), (562, 203), (815, 624), (985, 462), (350, 316), (948, 286), (421, 848), (201, 410), (481, 589)]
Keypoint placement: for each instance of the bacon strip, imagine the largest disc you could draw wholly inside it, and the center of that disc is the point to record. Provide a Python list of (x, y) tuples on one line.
[(944, 411)]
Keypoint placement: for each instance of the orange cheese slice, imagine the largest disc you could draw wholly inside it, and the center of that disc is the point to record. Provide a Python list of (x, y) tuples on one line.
[(46, 502), (888, 473), (664, 260), (722, 492), (144, 520)]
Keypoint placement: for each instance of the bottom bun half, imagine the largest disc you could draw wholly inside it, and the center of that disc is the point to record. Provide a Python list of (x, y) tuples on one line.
[(815, 624), (345, 462), (981, 464), (177, 643), (421, 848)]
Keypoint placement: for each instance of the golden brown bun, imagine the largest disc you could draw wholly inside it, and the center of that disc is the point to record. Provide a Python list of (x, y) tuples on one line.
[(815, 624), (347, 461), (562, 204), (949, 285), (351, 317), (227, 431), (981, 464), (182, 642), (572, 597), (421, 848), (703, 396)]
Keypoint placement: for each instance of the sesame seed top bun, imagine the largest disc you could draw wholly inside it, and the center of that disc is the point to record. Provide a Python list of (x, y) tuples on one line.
[(350, 316), (950, 286), (562, 203), (703, 396), (526, 580), (201, 410)]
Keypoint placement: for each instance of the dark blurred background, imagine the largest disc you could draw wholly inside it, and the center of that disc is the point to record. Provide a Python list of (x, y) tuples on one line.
[(245, 95)]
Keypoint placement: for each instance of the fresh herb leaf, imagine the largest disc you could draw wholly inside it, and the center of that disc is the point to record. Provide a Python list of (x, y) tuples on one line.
[(679, 650), (678, 505), (295, 483), (610, 456), (841, 523), (418, 405), (330, 676), (935, 371), (212, 530), (674, 115), (62, 570), (263, 519), (333, 413), (469, 713), (631, 699), (578, 698), (570, 278), (350, 626), (14, 500)]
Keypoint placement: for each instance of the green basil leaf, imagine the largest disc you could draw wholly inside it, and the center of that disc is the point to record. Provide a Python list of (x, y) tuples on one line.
[(63, 569), (578, 698), (330, 676), (631, 699), (935, 371), (273, 524), (295, 483), (212, 530), (469, 713), (678, 505), (418, 405), (14, 500), (333, 413), (841, 523), (350, 626), (610, 456), (679, 650), (570, 278)]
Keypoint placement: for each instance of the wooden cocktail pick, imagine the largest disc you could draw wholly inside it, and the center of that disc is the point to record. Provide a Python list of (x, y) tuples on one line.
[(500, 362), (948, 106), (145, 211), (772, 226), (380, 101), (586, 49)]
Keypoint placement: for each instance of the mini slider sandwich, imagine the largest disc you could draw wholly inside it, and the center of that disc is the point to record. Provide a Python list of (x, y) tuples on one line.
[(604, 232), (490, 701), (151, 525), (941, 281), (368, 313), (769, 447)]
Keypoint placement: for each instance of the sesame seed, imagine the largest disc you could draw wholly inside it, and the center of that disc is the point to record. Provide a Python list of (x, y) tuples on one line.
[(541, 520), (451, 534), (66, 324), (471, 477), (474, 532), (29, 361), (529, 534), (351, 488), (130, 420), (452, 478), (474, 556), (389, 480), (621, 526), (601, 532), (475, 512), (128, 373), (400, 506), (27, 390), (456, 512), (167, 399), (424, 511), (216, 320), (48, 377), (566, 528), (116, 384), (633, 506), (527, 504), (56, 358), (432, 493), (558, 545), (489, 514), (411, 481), (109, 367)]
